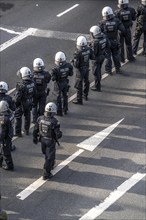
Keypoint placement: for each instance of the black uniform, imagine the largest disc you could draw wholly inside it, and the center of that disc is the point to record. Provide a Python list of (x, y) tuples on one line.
[(127, 16), (47, 130), (9, 100), (5, 141), (140, 29), (81, 59), (12, 108), (24, 96), (98, 46), (41, 80), (110, 28), (61, 85)]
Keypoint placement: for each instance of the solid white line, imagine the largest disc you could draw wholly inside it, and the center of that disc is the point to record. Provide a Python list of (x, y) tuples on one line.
[(39, 182), (74, 6), (16, 39), (10, 31), (113, 197), (92, 142)]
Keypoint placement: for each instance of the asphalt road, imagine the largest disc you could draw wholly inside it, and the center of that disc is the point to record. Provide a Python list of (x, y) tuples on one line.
[(111, 178)]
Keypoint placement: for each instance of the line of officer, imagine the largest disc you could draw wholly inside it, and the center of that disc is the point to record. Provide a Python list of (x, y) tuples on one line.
[(98, 44), (80, 61), (41, 79), (126, 15), (5, 137), (11, 103), (140, 27), (110, 26), (24, 96), (60, 74), (47, 131)]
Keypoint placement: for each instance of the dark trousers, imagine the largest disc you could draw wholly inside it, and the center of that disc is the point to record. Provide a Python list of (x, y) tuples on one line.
[(82, 83), (27, 119), (39, 106), (96, 71), (126, 39), (49, 150), (136, 39), (112, 52), (5, 153), (62, 93)]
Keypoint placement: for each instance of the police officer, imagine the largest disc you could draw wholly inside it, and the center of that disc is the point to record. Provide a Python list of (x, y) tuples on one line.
[(60, 75), (47, 131), (80, 61), (4, 96), (140, 27), (110, 26), (25, 93), (41, 79), (127, 15), (98, 44), (5, 133)]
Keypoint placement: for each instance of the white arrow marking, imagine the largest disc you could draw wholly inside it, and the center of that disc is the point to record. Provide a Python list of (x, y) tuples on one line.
[(16, 39), (92, 142), (113, 197), (39, 182)]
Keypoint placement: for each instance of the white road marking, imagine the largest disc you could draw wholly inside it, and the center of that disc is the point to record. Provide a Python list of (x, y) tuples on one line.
[(15, 39), (69, 9), (91, 143), (10, 31), (34, 186), (113, 197)]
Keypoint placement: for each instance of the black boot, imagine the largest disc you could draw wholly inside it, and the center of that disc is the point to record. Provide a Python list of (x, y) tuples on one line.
[(78, 102)]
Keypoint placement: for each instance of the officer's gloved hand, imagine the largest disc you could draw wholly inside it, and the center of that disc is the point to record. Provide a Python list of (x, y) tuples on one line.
[(48, 91), (35, 140)]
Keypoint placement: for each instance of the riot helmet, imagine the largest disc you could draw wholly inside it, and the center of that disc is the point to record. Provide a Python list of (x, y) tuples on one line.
[(50, 109), (4, 107), (107, 13), (143, 2), (123, 3), (38, 65), (81, 42), (60, 58), (95, 31), (25, 73), (3, 87)]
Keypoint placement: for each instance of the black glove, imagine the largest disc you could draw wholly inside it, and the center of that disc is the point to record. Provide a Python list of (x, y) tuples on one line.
[(48, 91), (35, 140)]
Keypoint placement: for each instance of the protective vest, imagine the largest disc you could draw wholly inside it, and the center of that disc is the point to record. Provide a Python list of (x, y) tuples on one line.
[(39, 79), (62, 74), (111, 29), (82, 57), (28, 94), (125, 17), (46, 128), (99, 45)]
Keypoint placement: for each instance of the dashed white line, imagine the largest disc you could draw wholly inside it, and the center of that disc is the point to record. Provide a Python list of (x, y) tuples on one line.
[(113, 197), (69, 9)]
